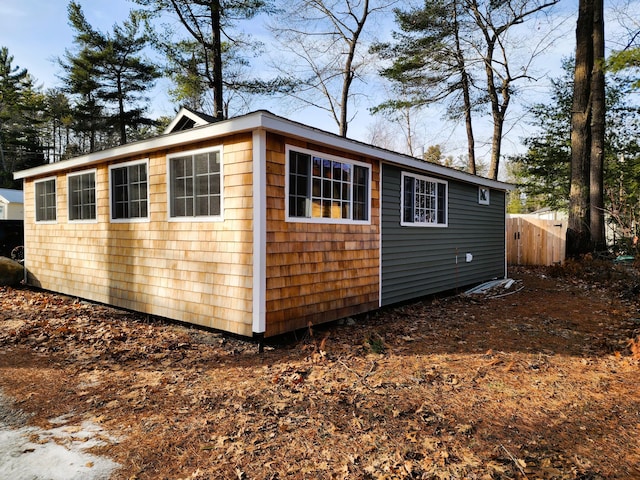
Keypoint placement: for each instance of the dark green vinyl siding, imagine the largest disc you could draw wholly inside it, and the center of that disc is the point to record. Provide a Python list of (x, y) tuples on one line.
[(419, 261)]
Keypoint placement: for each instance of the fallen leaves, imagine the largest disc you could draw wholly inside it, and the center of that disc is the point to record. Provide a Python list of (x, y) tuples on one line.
[(634, 346), (515, 387)]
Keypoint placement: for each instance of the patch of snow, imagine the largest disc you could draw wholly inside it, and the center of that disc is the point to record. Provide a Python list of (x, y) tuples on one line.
[(30, 453)]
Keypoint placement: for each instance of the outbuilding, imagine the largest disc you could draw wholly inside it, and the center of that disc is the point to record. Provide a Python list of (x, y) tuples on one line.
[(258, 225), (11, 204)]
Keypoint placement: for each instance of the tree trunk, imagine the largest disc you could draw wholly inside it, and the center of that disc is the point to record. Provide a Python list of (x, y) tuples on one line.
[(578, 237), (3, 167), (496, 143), (122, 124), (348, 71), (598, 112), (468, 123), (466, 95), (343, 123), (498, 107), (218, 109)]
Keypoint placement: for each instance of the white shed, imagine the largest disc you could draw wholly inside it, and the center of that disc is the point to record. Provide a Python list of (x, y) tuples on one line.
[(11, 204)]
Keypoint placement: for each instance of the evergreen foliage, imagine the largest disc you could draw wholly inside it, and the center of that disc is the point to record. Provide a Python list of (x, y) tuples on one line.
[(21, 113), (208, 60), (628, 60), (461, 52), (543, 173), (109, 77)]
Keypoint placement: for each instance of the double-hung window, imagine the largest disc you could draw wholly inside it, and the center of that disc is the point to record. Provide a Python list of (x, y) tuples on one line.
[(82, 196), (129, 191), (326, 188), (424, 201), (46, 200), (195, 184)]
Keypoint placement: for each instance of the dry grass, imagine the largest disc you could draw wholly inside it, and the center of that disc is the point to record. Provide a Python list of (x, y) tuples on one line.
[(538, 384)]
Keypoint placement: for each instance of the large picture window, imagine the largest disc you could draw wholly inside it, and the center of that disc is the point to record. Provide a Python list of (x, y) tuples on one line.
[(327, 188), (129, 191), (424, 201), (46, 200), (82, 196), (195, 184)]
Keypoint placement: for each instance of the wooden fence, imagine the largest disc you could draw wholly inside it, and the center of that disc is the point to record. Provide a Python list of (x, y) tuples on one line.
[(535, 241)]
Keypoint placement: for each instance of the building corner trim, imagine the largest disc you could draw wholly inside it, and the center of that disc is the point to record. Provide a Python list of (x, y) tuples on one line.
[(259, 231)]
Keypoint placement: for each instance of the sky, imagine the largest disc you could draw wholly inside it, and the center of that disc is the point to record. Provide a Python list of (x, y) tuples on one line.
[(37, 32)]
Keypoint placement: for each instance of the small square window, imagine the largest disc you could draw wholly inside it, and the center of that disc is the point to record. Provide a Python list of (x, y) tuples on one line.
[(483, 196)]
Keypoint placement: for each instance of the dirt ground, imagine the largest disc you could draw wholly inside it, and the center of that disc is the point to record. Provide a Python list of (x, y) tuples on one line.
[(539, 380)]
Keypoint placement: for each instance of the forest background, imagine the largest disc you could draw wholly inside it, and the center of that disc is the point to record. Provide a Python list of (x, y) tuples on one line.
[(480, 86)]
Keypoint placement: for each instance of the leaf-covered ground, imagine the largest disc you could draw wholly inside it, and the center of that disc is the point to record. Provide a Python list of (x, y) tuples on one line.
[(540, 380)]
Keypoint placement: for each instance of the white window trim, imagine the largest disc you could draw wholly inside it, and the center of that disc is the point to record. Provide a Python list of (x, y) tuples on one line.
[(77, 174), (342, 221), (35, 202), (144, 161), (423, 224), (487, 199), (208, 218)]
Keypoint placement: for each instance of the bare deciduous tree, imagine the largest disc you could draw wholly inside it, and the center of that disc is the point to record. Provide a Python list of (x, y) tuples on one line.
[(323, 40), (445, 48), (494, 21)]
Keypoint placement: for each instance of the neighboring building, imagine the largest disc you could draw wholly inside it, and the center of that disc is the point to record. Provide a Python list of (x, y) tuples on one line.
[(547, 213), (11, 204), (258, 225)]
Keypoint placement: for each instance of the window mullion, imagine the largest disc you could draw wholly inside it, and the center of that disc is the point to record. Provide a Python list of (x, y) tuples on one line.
[(308, 208), (129, 192), (352, 197), (194, 186)]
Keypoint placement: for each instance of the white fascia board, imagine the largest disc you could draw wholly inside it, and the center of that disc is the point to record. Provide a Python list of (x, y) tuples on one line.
[(451, 173), (144, 147), (269, 122), (278, 124)]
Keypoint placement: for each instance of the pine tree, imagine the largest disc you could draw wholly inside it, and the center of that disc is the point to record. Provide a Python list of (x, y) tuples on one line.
[(21, 112), (460, 52), (543, 173), (429, 65), (212, 59), (109, 75)]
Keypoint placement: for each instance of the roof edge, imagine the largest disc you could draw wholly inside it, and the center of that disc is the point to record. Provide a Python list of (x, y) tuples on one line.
[(235, 125), (260, 119)]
